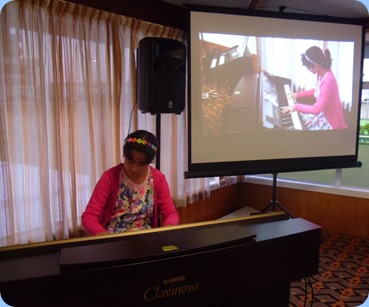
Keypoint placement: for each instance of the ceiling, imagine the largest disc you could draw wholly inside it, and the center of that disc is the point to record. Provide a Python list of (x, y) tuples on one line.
[(335, 8)]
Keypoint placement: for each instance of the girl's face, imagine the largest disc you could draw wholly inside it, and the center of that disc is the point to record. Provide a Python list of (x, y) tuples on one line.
[(313, 69), (136, 168), (317, 69)]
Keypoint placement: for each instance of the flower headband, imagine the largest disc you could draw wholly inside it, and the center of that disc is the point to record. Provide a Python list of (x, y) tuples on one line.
[(142, 141)]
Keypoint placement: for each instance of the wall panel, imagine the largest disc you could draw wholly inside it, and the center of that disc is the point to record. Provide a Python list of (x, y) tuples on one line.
[(343, 214)]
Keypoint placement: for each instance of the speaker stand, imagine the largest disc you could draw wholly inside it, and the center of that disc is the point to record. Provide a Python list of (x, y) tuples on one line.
[(158, 137), (157, 155), (273, 204)]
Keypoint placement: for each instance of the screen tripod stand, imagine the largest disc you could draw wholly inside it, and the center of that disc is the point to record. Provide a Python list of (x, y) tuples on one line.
[(273, 204)]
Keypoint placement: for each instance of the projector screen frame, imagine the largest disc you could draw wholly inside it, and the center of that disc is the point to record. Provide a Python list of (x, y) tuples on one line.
[(278, 165)]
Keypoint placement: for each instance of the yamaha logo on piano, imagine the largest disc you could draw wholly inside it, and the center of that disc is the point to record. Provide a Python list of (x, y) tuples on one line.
[(170, 288)]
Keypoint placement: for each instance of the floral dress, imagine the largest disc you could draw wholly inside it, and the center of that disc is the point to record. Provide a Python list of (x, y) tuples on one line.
[(134, 205)]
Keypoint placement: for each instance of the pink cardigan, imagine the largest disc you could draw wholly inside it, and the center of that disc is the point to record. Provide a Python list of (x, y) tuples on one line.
[(102, 202), (328, 101)]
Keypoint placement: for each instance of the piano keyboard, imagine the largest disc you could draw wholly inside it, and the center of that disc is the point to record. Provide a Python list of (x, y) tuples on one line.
[(274, 91), (293, 117)]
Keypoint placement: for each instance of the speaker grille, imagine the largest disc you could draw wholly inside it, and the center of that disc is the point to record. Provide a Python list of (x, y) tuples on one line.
[(168, 93)]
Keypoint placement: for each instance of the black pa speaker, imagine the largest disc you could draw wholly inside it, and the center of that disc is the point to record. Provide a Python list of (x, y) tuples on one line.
[(161, 75)]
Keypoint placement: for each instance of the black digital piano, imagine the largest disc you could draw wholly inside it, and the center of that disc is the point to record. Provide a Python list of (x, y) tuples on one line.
[(247, 261)]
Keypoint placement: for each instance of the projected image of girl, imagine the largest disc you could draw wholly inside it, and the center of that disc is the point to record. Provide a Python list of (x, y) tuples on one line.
[(326, 112)]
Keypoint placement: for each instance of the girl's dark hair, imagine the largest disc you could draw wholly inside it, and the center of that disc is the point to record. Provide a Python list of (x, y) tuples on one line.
[(142, 141), (314, 56)]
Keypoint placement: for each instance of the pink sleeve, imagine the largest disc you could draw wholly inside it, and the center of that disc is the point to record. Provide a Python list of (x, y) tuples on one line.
[(169, 214), (320, 103), (94, 217), (304, 94)]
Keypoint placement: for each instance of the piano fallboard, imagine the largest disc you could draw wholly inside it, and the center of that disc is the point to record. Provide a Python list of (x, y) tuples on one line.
[(272, 253)]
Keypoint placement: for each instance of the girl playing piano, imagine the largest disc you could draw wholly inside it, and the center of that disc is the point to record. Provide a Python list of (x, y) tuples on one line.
[(326, 112), (131, 195)]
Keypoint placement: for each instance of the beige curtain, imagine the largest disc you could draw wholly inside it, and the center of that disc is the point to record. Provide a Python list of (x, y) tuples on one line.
[(67, 101)]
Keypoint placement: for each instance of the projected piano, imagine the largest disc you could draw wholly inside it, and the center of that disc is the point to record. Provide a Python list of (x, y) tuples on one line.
[(250, 260), (273, 97)]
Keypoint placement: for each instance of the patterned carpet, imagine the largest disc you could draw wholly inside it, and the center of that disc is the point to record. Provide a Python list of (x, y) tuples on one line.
[(343, 279)]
